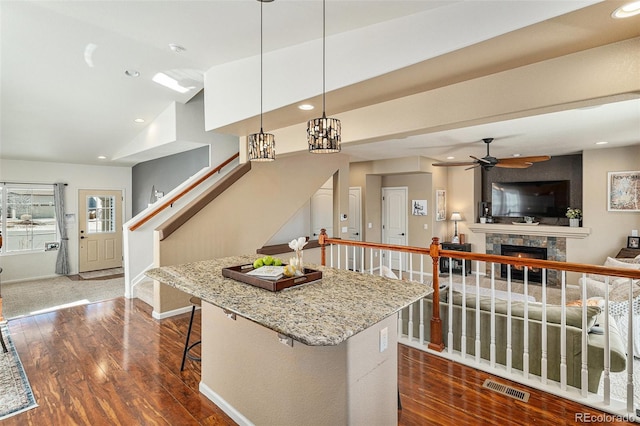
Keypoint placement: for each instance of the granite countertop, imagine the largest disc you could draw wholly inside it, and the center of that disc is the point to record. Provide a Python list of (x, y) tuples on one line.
[(322, 313)]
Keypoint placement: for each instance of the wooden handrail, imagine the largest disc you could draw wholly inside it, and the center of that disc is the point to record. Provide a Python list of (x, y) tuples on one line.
[(436, 252), (182, 193)]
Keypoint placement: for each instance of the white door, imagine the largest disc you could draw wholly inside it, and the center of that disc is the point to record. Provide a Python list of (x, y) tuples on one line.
[(394, 223), (355, 226), (321, 206), (99, 229)]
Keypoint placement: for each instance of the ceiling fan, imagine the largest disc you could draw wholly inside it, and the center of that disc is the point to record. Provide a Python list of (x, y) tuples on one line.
[(488, 162)]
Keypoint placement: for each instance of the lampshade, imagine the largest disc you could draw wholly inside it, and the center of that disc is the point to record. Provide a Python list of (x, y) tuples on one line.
[(456, 216), (261, 146), (324, 133)]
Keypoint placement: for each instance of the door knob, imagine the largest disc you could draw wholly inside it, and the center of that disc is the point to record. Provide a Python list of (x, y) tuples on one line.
[(402, 234), (82, 237)]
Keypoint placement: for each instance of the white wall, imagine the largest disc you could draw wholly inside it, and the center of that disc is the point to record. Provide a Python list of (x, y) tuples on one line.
[(19, 267)]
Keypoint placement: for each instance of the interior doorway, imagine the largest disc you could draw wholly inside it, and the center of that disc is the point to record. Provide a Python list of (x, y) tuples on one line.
[(355, 227), (394, 224), (99, 229)]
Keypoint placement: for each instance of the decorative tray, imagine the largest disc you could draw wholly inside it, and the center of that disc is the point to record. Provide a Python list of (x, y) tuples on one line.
[(239, 273)]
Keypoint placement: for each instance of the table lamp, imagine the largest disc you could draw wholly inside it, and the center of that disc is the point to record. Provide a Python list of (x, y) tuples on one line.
[(455, 216)]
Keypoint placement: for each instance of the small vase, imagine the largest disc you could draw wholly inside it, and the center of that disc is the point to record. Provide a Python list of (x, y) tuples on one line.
[(299, 263), (574, 223)]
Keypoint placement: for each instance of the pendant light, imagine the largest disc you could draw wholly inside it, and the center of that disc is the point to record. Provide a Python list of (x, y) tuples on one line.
[(323, 133), (261, 146)]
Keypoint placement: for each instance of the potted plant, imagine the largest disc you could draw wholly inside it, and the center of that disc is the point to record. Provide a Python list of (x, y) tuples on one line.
[(574, 216)]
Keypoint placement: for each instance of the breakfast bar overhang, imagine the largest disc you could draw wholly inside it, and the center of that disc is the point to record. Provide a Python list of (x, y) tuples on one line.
[(320, 353)]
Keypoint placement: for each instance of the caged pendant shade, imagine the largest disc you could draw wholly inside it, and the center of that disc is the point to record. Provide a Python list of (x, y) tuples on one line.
[(324, 134), (261, 146)]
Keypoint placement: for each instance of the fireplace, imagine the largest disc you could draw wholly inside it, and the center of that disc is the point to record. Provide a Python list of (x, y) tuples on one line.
[(517, 272)]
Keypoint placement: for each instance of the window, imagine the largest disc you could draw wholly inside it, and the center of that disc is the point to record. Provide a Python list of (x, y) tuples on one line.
[(101, 214), (27, 217)]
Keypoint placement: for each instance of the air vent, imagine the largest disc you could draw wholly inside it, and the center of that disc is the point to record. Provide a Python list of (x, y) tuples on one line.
[(506, 390)]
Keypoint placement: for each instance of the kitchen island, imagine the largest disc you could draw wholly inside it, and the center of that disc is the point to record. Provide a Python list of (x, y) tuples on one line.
[(319, 353)]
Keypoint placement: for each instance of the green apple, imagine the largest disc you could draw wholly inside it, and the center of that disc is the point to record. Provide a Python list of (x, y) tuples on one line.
[(267, 260), (258, 263), (277, 262)]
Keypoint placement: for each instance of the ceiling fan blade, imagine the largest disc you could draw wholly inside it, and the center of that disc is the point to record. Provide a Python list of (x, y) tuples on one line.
[(459, 163), (532, 159), (480, 159), (473, 167), (520, 165)]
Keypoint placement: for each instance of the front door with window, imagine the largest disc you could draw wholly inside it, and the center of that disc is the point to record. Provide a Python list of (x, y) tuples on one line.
[(100, 229)]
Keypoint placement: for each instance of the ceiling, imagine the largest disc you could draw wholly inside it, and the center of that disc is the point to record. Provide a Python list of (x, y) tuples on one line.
[(65, 96)]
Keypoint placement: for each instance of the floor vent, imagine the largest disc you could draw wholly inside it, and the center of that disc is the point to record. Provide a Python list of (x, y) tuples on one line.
[(506, 390)]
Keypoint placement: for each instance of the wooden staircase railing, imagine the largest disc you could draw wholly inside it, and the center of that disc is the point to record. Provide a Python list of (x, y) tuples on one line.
[(434, 250), (182, 193)]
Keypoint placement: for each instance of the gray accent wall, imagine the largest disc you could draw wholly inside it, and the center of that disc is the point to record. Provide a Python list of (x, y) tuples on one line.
[(165, 174), (564, 167)]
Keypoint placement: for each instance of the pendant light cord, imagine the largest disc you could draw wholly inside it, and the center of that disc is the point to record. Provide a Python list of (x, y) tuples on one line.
[(261, 131), (324, 114)]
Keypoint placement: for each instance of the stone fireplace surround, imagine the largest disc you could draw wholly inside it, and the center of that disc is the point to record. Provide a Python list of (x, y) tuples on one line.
[(556, 249)]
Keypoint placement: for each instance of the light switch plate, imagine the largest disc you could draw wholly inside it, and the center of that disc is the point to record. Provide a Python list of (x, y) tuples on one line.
[(384, 339)]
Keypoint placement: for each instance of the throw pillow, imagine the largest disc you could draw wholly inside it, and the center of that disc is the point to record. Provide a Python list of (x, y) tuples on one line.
[(636, 259), (615, 263)]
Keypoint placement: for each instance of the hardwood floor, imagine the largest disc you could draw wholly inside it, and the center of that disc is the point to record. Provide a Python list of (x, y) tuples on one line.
[(110, 363)]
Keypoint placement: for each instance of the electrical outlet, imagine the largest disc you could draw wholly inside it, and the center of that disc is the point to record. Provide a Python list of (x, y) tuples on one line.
[(426, 226), (384, 339)]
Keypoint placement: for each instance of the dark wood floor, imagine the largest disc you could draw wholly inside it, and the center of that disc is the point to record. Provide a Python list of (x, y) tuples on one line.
[(110, 363)]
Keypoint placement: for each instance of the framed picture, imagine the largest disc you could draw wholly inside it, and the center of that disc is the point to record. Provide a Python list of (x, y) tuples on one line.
[(633, 242), (623, 191), (419, 207), (441, 205)]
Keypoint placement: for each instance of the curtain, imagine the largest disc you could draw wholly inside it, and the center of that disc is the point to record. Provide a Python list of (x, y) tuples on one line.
[(62, 262)]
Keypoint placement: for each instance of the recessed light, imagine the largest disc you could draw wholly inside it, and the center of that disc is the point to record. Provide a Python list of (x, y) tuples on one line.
[(516, 155), (139, 120), (627, 11), (306, 107), (102, 157), (177, 48), (451, 157), (602, 143), (132, 73)]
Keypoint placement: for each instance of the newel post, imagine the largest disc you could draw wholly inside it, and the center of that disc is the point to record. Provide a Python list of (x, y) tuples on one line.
[(436, 325), (322, 240)]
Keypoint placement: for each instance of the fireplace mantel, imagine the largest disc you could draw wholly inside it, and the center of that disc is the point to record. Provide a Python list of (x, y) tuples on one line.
[(541, 230)]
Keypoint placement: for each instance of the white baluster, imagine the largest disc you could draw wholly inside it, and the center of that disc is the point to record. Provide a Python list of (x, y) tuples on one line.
[(563, 332), (509, 353), (584, 373), (630, 352), (400, 323), (331, 255), (346, 258), (371, 261), (478, 343), (525, 349), (450, 304), (422, 268), (410, 266), (410, 322), (544, 361), (362, 268), (492, 347), (463, 320), (421, 329), (607, 353)]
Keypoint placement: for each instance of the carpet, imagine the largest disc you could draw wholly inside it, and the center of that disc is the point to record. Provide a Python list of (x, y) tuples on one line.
[(619, 384), (38, 296), (16, 395)]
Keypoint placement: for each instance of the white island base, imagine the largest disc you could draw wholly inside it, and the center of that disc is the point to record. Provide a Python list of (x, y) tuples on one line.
[(256, 379)]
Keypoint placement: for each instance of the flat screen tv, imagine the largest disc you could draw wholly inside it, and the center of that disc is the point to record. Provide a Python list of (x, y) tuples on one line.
[(539, 198)]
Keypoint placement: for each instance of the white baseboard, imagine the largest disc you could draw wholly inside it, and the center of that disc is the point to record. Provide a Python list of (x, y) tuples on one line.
[(224, 405), (163, 315)]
